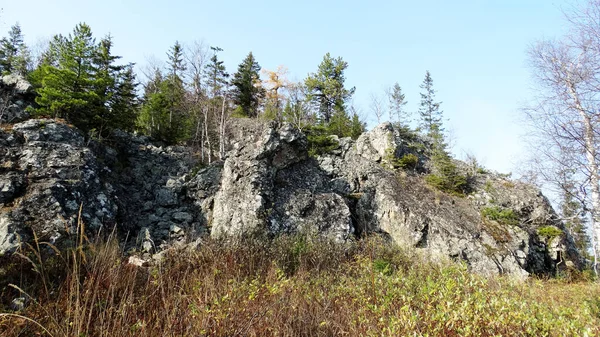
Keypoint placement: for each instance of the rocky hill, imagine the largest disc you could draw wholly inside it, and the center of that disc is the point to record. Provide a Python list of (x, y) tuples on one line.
[(158, 197)]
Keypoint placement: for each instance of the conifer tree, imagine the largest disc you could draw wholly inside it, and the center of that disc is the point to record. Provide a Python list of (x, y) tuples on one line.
[(445, 174), (216, 73), (125, 102), (429, 110), (397, 103), (68, 86), (80, 81), (163, 114), (572, 211), (106, 74), (247, 89), (14, 54), (326, 87), (175, 91)]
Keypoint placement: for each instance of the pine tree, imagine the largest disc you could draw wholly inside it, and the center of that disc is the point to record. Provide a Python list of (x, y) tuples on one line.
[(429, 110), (247, 89), (14, 54), (326, 87), (68, 88), (80, 81)]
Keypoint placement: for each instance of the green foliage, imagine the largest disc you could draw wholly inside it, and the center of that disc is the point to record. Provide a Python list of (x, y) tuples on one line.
[(429, 110), (341, 125), (382, 266), (448, 179), (80, 82), (397, 101), (320, 141), (505, 216), (326, 87), (549, 232), (247, 89), (572, 211), (216, 73), (14, 54), (164, 114), (408, 162)]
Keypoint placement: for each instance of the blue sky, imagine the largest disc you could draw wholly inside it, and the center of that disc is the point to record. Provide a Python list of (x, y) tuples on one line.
[(474, 49)]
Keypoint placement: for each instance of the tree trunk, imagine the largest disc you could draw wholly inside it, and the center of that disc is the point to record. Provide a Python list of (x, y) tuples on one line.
[(222, 132), (590, 153)]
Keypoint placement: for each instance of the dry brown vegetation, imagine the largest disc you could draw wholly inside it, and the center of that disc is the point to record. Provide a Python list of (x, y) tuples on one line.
[(289, 286)]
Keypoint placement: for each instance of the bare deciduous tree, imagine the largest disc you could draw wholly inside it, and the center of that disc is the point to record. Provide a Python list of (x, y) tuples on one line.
[(377, 107), (566, 116)]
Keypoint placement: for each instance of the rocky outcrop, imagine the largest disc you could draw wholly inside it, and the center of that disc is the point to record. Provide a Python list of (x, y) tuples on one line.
[(52, 180), (16, 95), (159, 196)]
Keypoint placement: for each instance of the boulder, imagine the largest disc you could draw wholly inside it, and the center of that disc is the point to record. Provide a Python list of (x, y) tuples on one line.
[(16, 95)]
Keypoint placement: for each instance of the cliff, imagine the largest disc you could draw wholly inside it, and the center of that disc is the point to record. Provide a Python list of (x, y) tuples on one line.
[(158, 197)]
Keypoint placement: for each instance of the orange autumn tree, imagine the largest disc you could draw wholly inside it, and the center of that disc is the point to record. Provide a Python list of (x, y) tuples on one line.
[(275, 82)]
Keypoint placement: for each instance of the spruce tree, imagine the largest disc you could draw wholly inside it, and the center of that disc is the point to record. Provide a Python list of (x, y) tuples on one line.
[(429, 110), (217, 74), (125, 102), (247, 89), (175, 91), (106, 74), (397, 101), (572, 212)]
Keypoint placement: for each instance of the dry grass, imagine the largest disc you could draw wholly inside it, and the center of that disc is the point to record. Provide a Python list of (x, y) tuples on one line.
[(290, 286)]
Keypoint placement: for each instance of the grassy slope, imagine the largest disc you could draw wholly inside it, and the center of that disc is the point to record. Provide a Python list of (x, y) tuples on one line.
[(292, 286)]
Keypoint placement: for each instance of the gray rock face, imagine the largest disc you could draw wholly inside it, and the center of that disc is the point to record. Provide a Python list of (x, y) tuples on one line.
[(245, 198), (47, 175), (15, 96), (48, 171), (160, 197)]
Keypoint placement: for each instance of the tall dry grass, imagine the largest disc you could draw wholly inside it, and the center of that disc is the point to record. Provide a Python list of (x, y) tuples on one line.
[(289, 286)]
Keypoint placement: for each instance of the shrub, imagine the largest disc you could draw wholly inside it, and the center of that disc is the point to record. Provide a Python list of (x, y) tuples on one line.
[(549, 232), (505, 216), (320, 141), (408, 162), (453, 184), (358, 288)]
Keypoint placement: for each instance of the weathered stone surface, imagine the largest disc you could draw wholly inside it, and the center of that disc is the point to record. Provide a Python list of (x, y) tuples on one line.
[(158, 197), (244, 200), (16, 95)]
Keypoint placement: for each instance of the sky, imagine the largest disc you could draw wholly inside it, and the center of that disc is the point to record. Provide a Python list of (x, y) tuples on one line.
[(474, 49)]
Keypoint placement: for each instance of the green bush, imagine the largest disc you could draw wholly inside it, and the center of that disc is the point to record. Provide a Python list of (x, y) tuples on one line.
[(446, 176), (549, 232), (453, 184), (320, 141), (505, 216), (408, 162)]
